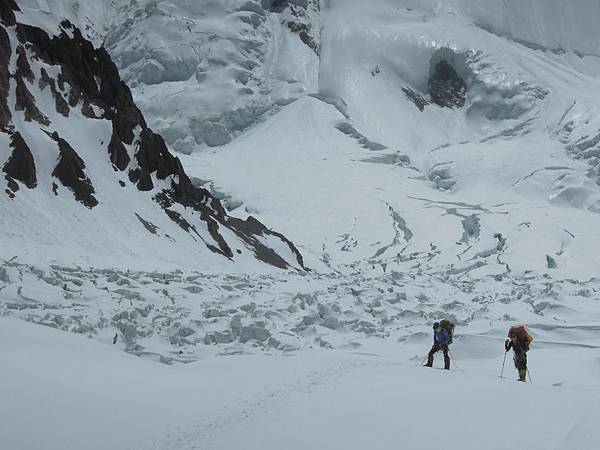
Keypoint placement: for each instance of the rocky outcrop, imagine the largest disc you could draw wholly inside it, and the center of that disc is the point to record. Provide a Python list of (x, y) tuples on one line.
[(70, 170), (297, 18), (251, 228), (20, 166), (60, 103), (5, 52), (446, 88), (118, 153), (7, 12), (89, 73), (24, 99), (416, 98)]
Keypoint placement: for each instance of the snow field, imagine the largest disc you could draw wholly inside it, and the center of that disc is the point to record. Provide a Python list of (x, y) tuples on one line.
[(82, 394)]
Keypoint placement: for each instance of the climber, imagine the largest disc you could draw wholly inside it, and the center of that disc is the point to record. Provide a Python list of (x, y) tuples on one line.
[(442, 338), (519, 340)]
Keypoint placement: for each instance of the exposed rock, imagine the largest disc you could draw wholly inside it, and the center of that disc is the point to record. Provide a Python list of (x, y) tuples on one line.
[(446, 87), (70, 172), (118, 153), (5, 52), (87, 110), (148, 225), (61, 104), (213, 229), (89, 72), (179, 220), (142, 179), (23, 67), (7, 12), (250, 228), (416, 98), (154, 156), (21, 165), (303, 30), (26, 103)]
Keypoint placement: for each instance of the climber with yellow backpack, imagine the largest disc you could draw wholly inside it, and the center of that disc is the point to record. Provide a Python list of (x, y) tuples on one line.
[(519, 341)]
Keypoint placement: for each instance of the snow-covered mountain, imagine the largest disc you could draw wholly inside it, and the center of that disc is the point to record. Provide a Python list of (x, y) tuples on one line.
[(346, 101), (206, 71), (86, 180), (429, 159), (390, 167)]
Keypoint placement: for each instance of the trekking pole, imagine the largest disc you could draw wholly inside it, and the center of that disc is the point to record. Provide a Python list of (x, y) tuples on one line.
[(503, 362), (423, 362), (453, 362), (529, 376)]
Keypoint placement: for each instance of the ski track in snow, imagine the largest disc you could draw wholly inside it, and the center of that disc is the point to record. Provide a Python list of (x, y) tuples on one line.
[(253, 410)]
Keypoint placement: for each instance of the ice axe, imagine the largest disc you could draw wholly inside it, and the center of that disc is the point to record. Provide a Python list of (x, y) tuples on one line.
[(503, 362)]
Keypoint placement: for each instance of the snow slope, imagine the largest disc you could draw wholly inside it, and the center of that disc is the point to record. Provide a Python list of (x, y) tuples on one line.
[(80, 394), (505, 184), (84, 178), (203, 72), (546, 24)]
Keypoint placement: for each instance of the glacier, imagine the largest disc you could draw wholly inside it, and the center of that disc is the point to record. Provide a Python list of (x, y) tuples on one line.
[(411, 160)]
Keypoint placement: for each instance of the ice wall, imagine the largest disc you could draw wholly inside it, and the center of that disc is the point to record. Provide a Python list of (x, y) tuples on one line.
[(554, 24)]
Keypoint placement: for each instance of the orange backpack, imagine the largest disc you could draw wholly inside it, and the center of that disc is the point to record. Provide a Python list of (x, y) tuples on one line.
[(520, 333)]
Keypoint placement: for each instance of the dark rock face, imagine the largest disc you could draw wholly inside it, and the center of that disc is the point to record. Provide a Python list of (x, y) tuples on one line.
[(154, 156), (26, 103), (278, 5), (81, 66), (70, 172), (7, 12), (60, 103), (89, 82), (23, 67), (5, 51), (251, 228), (303, 30), (298, 23), (20, 166), (152, 229), (118, 153), (418, 100), (446, 88)]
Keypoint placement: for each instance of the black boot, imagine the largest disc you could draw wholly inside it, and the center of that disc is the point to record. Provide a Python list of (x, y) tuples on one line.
[(429, 360), (446, 362)]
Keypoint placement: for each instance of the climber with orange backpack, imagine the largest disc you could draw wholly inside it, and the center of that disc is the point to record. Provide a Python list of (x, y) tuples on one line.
[(519, 341)]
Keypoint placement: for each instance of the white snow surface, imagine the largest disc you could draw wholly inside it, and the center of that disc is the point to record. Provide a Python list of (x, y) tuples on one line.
[(205, 71), (506, 184), (486, 214), (80, 394)]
